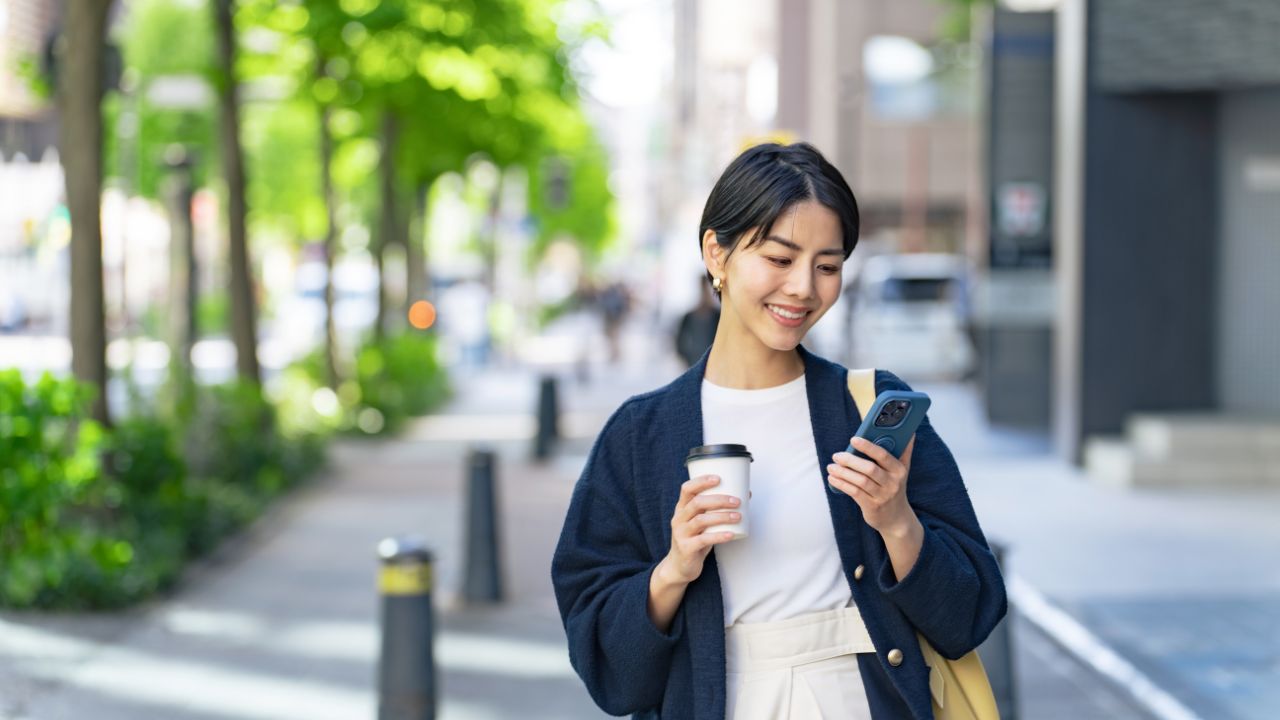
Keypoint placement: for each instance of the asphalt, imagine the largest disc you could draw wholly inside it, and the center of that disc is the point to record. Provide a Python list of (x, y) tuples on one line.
[(1127, 604)]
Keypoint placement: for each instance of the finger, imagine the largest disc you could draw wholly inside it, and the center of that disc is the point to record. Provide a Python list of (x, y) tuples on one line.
[(691, 488), (853, 462), (868, 486), (882, 457), (847, 488), (706, 520), (877, 477), (707, 539), (703, 503)]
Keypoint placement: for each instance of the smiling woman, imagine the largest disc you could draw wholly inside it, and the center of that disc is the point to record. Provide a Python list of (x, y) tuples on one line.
[(815, 611), (795, 221)]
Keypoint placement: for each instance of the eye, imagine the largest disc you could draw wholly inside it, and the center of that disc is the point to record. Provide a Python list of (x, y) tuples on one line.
[(829, 269), (780, 261)]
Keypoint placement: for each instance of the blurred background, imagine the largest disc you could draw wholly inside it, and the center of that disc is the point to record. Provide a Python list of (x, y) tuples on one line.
[(282, 279)]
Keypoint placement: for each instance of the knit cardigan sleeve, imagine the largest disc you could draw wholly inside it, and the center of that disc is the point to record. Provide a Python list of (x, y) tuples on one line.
[(600, 572), (954, 594)]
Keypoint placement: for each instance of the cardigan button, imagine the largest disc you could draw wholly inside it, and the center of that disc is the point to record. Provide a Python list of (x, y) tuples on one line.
[(895, 657), (857, 572)]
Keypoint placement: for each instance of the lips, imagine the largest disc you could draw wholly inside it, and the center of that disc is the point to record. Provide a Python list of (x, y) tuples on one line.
[(793, 317)]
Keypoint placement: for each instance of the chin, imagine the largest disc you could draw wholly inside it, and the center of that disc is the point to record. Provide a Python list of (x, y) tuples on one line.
[(783, 343)]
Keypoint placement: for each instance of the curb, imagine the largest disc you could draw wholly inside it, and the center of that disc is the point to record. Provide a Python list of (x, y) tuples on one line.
[(1090, 650)]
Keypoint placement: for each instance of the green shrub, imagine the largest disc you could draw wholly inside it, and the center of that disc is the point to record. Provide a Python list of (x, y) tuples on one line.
[(393, 380), (53, 498), (93, 519), (399, 378)]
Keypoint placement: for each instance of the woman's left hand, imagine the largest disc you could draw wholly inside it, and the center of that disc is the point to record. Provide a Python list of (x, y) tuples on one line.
[(878, 485)]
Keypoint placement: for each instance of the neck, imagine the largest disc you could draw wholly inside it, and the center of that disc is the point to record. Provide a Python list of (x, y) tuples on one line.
[(739, 360)]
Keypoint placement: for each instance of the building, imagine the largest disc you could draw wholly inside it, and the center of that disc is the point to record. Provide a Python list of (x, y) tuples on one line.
[(873, 85), (869, 82), (1167, 221), (26, 28), (31, 181)]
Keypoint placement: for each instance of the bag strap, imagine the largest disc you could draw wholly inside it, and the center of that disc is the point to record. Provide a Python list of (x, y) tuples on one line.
[(959, 688), (862, 386)]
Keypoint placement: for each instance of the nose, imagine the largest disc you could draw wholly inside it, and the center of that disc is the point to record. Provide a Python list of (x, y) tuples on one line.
[(801, 282)]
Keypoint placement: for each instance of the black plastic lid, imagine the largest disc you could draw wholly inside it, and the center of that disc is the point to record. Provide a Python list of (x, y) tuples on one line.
[(703, 452)]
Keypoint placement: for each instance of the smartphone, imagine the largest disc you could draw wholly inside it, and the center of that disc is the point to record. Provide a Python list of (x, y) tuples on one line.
[(892, 421)]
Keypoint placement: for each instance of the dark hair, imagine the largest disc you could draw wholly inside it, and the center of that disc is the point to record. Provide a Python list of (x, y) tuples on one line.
[(763, 183)]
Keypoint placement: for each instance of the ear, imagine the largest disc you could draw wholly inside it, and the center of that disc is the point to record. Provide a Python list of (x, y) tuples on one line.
[(712, 254)]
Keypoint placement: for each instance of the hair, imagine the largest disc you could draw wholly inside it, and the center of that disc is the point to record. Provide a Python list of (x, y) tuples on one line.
[(763, 183)]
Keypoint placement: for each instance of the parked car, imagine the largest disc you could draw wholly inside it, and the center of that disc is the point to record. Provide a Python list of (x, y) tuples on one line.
[(911, 316)]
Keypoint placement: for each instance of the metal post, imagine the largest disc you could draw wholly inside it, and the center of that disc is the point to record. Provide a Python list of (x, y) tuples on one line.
[(406, 667), (483, 579), (997, 656), (548, 418)]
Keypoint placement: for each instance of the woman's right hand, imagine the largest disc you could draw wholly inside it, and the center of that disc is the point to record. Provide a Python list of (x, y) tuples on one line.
[(694, 513)]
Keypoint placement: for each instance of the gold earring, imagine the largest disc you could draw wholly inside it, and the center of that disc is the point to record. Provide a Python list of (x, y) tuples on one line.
[(717, 283)]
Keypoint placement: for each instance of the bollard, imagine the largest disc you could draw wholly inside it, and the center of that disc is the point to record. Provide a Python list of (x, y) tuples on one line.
[(997, 656), (406, 665), (548, 418), (483, 580)]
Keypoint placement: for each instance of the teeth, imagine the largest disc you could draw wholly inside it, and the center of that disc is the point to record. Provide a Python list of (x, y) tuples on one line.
[(786, 313)]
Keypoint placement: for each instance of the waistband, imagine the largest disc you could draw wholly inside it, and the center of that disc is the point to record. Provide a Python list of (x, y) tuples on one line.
[(751, 647)]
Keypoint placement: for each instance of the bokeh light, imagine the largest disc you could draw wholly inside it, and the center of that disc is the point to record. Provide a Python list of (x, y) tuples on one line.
[(422, 314)]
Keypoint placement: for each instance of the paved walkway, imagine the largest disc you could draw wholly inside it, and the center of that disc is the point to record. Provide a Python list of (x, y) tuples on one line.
[(1180, 588), (284, 622)]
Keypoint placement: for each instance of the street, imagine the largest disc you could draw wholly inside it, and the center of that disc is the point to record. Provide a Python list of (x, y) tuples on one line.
[(283, 622)]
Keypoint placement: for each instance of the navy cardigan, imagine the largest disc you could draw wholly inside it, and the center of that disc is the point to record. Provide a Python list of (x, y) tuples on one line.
[(619, 527)]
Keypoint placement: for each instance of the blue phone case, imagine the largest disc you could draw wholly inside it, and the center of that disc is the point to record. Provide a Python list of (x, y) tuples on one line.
[(892, 421)]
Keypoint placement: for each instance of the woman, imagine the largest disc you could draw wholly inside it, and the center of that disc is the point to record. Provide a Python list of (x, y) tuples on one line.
[(815, 613)]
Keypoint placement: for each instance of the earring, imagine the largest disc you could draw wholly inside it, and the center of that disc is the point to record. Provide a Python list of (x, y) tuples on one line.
[(717, 283)]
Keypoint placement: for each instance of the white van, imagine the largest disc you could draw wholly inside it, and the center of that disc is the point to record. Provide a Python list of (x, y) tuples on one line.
[(910, 315)]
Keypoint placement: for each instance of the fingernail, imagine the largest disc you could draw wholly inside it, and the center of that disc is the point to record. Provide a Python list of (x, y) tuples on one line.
[(734, 516), (734, 501)]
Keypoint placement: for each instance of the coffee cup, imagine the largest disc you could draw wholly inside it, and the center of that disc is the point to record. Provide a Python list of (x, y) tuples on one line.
[(732, 464)]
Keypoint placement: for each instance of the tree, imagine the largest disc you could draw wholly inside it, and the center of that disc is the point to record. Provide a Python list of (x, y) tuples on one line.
[(243, 316), (80, 89), (163, 159), (330, 232)]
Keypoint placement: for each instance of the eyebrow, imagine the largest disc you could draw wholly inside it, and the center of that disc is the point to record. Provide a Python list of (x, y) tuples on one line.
[(797, 248)]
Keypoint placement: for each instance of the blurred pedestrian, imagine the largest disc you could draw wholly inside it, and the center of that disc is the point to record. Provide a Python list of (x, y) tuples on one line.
[(814, 612), (614, 302), (697, 327)]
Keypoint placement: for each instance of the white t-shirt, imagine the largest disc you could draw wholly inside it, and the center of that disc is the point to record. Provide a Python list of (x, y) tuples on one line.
[(789, 565)]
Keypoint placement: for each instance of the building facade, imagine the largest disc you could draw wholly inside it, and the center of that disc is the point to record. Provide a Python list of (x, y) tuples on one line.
[(1167, 244)]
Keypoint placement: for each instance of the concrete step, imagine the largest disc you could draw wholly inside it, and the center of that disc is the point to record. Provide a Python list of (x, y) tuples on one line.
[(1114, 461), (1193, 436)]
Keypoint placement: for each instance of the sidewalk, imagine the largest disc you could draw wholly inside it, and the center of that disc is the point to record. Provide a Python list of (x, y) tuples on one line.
[(1174, 594), (284, 623)]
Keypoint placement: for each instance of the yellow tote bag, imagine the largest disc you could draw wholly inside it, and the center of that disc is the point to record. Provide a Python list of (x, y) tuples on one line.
[(959, 688)]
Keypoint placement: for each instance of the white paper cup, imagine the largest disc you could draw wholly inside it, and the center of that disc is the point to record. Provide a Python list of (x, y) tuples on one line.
[(732, 464)]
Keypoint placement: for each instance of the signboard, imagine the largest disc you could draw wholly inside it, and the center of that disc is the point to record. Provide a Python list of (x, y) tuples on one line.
[(1021, 209)]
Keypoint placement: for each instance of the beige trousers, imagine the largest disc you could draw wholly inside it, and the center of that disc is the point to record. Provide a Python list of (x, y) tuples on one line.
[(804, 668)]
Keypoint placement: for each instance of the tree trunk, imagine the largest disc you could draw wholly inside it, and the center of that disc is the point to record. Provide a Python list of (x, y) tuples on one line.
[(389, 221), (183, 290), (330, 237), (415, 253), (243, 330), (492, 215), (80, 91)]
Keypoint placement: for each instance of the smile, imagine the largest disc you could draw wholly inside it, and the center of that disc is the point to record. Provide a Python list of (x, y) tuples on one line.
[(787, 317)]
